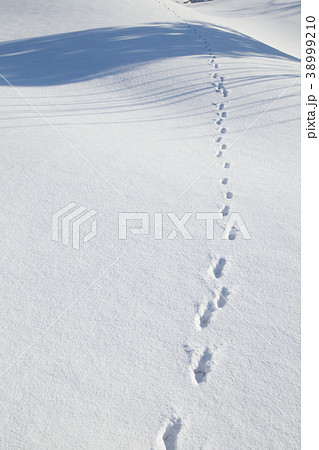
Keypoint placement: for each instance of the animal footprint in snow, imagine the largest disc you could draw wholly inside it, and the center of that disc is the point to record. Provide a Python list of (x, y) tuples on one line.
[(206, 310), (224, 293), (232, 234), (219, 154), (227, 165), (202, 366), (216, 270), (225, 210), (205, 313), (224, 181), (229, 195), (170, 434)]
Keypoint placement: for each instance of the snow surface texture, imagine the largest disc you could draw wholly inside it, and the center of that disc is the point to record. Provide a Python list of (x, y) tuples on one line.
[(150, 105)]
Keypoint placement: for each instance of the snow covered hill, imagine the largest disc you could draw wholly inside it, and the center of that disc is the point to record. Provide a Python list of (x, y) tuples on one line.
[(274, 22), (150, 106)]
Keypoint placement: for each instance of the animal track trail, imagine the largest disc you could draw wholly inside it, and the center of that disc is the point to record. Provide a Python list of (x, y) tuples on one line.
[(218, 84), (201, 363), (215, 271), (171, 432), (220, 89)]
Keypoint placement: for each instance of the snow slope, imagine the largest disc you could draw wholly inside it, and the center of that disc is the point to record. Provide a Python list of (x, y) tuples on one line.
[(273, 22), (149, 106)]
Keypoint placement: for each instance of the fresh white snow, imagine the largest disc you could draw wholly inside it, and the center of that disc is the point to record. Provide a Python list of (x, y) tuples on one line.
[(150, 106)]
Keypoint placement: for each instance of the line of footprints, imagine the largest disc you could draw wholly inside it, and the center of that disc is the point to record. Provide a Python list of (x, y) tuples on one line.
[(200, 362), (221, 114)]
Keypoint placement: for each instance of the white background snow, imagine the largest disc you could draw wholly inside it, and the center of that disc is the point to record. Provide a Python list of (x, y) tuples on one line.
[(115, 106)]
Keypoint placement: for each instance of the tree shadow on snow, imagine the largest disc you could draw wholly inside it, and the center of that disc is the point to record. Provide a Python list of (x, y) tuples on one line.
[(89, 54)]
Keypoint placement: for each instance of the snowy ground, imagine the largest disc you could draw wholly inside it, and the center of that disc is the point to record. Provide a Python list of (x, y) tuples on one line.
[(150, 106)]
